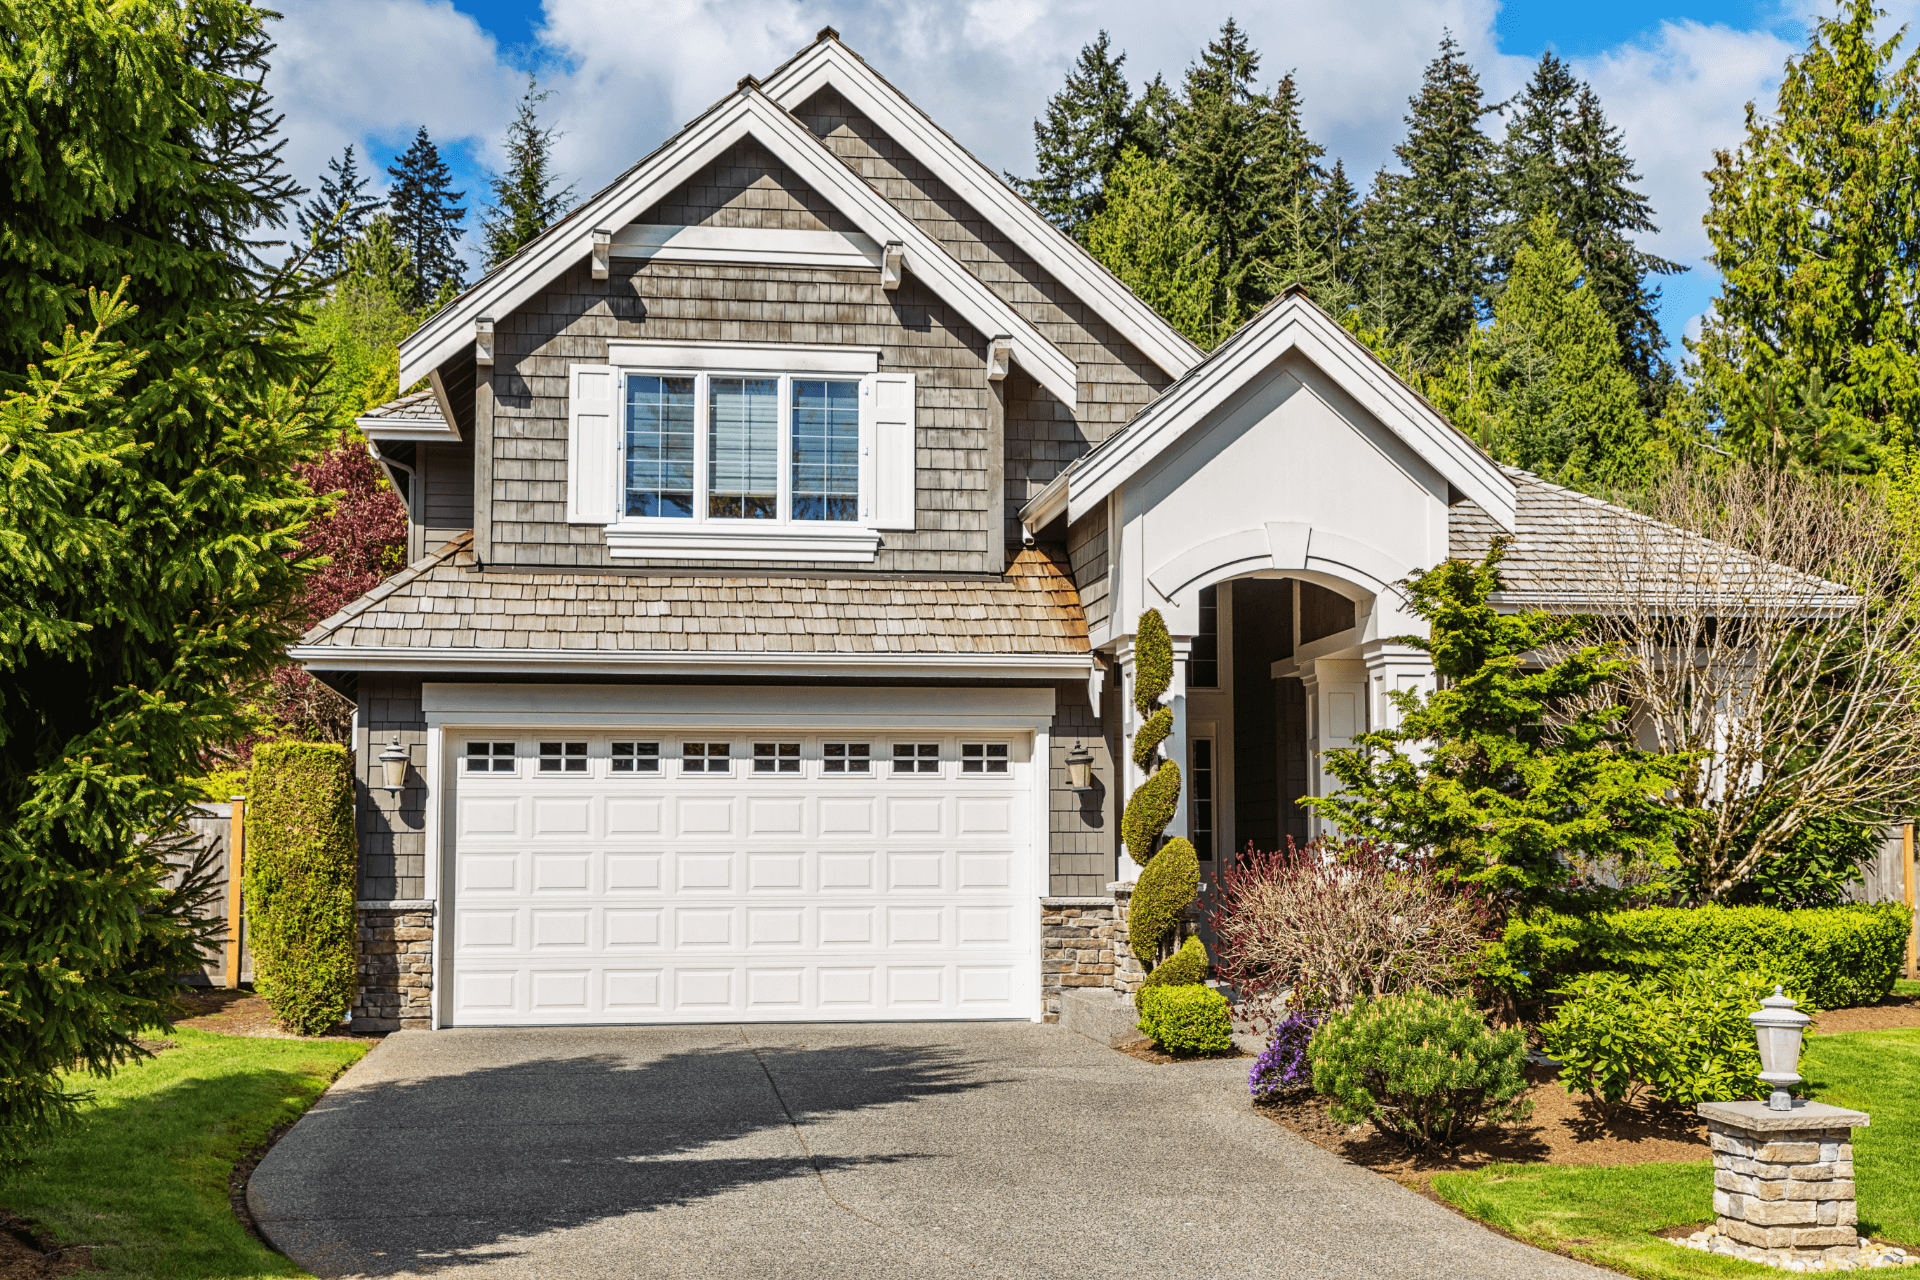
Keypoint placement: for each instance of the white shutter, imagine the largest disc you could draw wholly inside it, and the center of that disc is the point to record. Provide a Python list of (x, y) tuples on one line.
[(886, 402), (591, 453)]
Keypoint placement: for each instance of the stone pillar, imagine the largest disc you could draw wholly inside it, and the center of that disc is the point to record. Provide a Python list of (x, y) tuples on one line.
[(396, 966), (1783, 1180), (1128, 973), (1078, 948)]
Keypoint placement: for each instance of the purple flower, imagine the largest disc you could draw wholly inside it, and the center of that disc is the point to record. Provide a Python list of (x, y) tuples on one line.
[(1282, 1066)]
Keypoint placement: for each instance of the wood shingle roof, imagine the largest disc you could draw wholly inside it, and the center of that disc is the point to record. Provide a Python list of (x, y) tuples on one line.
[(444, 601)]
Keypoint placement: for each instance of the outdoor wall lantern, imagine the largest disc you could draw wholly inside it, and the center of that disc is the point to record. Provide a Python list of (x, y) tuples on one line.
[(1778, 1026), (1079, 768), (393, 770)]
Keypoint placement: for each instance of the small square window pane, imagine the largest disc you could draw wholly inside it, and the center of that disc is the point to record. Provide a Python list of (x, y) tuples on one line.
[(776, 757), (983, 757), (847, 757), (636, 757), (705, 757), (489, 757), (916, 757), (563, 757)]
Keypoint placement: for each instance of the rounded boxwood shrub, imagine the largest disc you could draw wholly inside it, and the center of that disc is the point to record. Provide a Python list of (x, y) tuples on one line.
[(1170, 882), (1186, 1021), (1422, 1067), (1184, 968), (300, 879)]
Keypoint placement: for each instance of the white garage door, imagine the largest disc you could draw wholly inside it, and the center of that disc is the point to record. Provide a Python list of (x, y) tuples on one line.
[(712, 876)]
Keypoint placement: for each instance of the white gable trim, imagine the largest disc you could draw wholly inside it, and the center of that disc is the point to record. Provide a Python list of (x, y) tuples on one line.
[(748, 113), (1281, 547), (1292, 324), (828, 62), (843, 250)]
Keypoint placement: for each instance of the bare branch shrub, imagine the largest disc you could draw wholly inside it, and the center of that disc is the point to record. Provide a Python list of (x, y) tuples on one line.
[(1338, 920), (1776, 633)]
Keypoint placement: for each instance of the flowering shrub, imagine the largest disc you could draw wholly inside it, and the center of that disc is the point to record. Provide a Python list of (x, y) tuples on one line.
[(1337, 921), (1283, 1066)]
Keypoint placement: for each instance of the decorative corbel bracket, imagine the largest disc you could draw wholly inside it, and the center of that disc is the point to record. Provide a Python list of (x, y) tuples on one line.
[(999, 358), (893, 258), (483, 341), (602, 253)]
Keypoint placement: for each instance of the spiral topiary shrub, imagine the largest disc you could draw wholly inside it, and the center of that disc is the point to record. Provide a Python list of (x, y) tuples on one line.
[(300, 879), (1148, 737), (1168, 884), (1152, 661), (1422, 1067), (1184, 968), (1149, 810), (1186, 1021)]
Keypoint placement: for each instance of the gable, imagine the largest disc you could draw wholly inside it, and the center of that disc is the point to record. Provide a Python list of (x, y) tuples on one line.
[(777, 159)]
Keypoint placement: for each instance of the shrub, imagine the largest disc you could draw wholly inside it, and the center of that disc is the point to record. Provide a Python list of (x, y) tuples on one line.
[(1678, 1038), (1149, 810), (1186, 1021), (1283, 1066), (1838, 957), (1166, 887), (1337, 921), (1151, 733), (1184, 968), (300, 876), (1422, 1067)]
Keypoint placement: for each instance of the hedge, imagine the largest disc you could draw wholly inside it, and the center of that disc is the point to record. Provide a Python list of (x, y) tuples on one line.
[(300, 878), (1839, 956)]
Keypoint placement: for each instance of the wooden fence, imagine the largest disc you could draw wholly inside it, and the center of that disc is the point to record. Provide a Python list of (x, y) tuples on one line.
[(214, 825)]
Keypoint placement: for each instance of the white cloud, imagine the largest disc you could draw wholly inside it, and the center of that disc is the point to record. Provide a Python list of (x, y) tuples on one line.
[(1678, 97), (375, 70), (623, 82)]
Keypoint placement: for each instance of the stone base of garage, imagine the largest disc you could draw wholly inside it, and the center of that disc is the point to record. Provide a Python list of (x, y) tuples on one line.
[(1078, 948), (396, 966)]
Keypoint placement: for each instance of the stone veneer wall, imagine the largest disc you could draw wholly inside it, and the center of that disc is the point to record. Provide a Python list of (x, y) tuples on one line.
[(396, 966), (1077, 947)]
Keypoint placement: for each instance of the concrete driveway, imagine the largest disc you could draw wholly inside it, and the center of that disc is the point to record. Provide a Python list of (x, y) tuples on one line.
[(928, 1150)]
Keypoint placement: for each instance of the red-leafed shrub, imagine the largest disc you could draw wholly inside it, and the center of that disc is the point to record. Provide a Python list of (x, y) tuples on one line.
[(364, 532), (1336, 921)]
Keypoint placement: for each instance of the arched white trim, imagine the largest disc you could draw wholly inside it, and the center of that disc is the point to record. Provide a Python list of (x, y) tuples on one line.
[(1281, 547)]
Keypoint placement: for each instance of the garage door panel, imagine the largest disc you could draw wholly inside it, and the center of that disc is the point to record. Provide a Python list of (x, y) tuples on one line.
[(677, 898)]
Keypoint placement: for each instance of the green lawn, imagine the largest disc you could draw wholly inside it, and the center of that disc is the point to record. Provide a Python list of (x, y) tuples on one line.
[(147, 1167), (1607, 1215), (1902, 987)]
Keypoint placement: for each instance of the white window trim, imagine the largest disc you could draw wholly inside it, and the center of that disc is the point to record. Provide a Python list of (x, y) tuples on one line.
[(649, 355), (704, 537)]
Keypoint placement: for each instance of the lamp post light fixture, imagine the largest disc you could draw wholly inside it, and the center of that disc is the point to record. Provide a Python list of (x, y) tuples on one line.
[(1079, 768), (393, 767), (1778, 1027)]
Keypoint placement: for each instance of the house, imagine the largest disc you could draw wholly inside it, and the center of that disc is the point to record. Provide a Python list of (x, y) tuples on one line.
[(779, 520)]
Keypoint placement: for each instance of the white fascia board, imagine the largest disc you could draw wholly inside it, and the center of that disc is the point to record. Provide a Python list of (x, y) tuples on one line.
[(777, 357), (401, 430), (1046, 505), (673, 706), (1293, 325), (829, 63), (747, 114), (912, 666)]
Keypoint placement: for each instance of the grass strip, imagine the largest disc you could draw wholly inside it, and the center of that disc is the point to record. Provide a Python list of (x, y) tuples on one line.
[(1608, 1215), (144, 1174)]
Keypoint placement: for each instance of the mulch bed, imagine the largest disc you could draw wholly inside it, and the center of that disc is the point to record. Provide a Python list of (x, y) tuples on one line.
[(1889, 1015), (1148, 1051), (26, 1255), (1564, 1129), (242, 1013)]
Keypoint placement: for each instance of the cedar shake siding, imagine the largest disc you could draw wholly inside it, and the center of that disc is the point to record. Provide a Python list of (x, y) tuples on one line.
[(1043, 435), (393, 829), (747, 187), (1087, 551), (571, 321), (445, 506)]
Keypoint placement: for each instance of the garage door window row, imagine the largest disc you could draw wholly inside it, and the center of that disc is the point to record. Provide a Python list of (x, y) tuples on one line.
[(630, 758)]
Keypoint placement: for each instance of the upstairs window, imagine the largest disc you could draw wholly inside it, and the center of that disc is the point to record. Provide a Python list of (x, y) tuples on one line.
[(743, 448), (659, 471), (826, 449)]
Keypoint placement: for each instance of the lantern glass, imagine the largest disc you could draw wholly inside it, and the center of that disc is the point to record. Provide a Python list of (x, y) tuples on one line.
[(1079, 768), (393, 766), (1777, 1030)]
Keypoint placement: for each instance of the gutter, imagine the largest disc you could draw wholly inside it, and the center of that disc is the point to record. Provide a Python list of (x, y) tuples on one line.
[(505, 662)]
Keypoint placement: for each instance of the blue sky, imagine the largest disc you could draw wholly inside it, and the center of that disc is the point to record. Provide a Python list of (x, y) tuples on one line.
[(1675, 76)]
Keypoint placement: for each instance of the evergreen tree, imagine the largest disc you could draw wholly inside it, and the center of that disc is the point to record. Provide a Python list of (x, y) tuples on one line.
[(336, 217), (1429, 226), (359, 326), (524, 201), (1815, 228), (1544, 387), (1337, 217), (1238, 158), (1079, 141), (427, 217), (149, 512), (1507, 775), (1157, 245), (1560, 156)]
